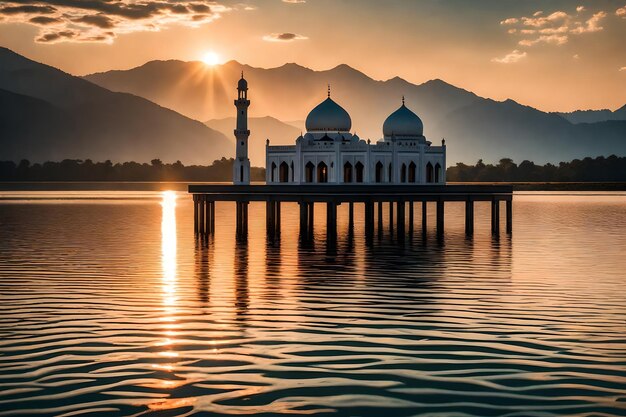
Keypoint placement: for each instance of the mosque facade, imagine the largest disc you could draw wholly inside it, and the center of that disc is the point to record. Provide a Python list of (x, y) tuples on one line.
[(329, 154)]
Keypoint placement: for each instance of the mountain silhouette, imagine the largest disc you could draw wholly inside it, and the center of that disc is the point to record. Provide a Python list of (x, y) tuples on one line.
[(474, 127), (593, 116), (46, 114)]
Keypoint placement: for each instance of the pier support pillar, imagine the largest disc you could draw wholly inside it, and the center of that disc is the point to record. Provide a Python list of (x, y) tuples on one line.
[(495, 216), (195, 213), (401, 219), (509, 216), (350, 215), (242, 219), (202, 215), (304, 220), (208, 217), (411, 214), (424, 215), (469, 216), (331, 221), (369, 219), (380, 218), (311, 218), (391, 218), (440, 216)]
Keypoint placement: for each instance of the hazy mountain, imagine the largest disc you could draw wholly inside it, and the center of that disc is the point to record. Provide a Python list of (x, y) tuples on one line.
[(261, 128), (46, 114), (474, 127), (593, 116)]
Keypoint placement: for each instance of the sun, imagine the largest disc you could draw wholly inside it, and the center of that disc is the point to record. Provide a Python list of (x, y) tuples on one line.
[(211, 58)]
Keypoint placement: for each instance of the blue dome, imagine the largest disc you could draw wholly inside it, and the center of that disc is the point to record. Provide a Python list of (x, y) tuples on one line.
[(242, 84), (403, 123), (328, 116)]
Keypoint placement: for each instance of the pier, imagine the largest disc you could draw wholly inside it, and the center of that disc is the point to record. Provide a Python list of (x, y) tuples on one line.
[(373, 197)]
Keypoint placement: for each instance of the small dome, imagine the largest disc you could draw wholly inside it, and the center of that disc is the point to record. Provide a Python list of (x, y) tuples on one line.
[(403, 123), (328, 116), (242, 84)]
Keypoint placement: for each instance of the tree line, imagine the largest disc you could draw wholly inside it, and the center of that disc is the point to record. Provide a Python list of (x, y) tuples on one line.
[(600, 169), (87, 170)]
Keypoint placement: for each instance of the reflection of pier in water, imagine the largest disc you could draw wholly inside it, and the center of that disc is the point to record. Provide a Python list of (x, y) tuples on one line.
[(400, 199)]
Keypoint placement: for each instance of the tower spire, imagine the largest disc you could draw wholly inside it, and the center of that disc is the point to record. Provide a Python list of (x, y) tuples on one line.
[(328, 90), (403, 100)]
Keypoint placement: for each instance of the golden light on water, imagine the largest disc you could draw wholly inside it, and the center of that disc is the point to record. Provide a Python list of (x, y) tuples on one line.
[(168, 264)]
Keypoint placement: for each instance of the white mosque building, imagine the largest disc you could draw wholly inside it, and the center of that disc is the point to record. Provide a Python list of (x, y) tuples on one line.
[(329, 154)]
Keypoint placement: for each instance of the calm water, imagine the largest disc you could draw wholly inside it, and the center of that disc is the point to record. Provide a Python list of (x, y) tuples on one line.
[(109, 306)]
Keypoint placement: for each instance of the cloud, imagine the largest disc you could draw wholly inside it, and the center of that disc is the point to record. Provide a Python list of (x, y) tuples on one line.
[(621, 12), (103, 21), (550, 39), (591, 25), (294, 1), (283, 37), (622, 69), (554, 28), (511, 57), (576, 56)]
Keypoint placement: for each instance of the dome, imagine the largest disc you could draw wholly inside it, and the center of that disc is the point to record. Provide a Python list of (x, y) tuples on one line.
[(328, 116), (403, 122), (242, 84)]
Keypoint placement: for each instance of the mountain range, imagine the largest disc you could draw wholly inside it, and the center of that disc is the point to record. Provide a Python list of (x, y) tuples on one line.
[(474, 127), (154, 111), (46, 114)]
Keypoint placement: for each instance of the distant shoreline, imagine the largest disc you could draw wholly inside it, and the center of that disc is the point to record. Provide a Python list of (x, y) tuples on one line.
[(79, 185)]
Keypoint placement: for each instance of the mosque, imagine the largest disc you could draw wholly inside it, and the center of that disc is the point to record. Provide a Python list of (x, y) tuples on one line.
[(329, 154)]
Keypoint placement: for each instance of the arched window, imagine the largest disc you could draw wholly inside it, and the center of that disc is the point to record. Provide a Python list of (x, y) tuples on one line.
[(292, 180), (403, 173), (322, 172), (347, 172), (309, 169), (241, 173), (283, 172), (379, 171), (429, 172), (412, 167), (273, 172), (359, 171), (437, 172), (390, 176)]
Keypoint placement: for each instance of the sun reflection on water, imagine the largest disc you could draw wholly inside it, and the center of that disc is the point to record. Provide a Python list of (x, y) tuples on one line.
[(168, 262)]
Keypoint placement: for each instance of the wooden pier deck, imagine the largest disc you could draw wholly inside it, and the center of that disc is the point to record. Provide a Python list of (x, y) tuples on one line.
[(371, 195)]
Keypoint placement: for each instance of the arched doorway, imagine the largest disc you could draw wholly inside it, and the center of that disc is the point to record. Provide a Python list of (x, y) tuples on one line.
[(429, 172), (437, 172), (403, 173), (292, 172), (359, 171), (309, 169), (390, 174), (347, 172), (412, 167), (283, 172), (379, 171), (273, 172), (322, 172)]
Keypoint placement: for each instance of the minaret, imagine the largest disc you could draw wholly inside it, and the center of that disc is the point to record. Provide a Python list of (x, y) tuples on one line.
[(241, 167)]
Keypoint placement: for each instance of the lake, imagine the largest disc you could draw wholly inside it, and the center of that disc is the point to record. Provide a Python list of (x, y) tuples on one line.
[(109, 305)]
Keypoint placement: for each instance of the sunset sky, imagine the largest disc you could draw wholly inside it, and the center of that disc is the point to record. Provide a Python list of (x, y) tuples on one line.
[(554, 55)]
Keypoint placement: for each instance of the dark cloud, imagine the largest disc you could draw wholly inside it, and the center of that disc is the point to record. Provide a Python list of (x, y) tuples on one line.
[(103, 20), (98, 20), (283, 37), (44, 20), (27, 9), (55, 36)]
